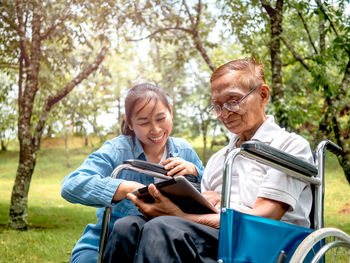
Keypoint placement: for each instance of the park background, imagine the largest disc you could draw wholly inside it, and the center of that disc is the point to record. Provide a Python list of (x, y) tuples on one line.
[(65, 67)]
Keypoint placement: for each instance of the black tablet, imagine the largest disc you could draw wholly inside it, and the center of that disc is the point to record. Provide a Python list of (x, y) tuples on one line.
[(182, 193)]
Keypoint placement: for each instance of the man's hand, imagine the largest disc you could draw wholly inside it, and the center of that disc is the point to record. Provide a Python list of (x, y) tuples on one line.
[(214, 198), (162, 205), (179, 166)]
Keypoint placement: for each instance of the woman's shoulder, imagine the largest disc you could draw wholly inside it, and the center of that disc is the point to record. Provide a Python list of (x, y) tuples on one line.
[(180, 142), (121, 142)]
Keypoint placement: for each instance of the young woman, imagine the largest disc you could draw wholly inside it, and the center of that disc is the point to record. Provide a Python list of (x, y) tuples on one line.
[(146, 132)]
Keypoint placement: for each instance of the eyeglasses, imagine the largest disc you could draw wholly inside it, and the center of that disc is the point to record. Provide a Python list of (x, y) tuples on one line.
[(231, 105)]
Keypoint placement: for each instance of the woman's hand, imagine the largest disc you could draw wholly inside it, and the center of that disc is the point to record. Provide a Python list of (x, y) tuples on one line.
[(179, 166), (162, 205), (124, 188), (214, 198)]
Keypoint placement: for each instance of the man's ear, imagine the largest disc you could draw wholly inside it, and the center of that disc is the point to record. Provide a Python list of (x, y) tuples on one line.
[(265, 93)]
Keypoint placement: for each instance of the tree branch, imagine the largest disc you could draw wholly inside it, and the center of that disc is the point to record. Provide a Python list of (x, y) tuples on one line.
[(50, 30), (307, 30), (160, 31), (54, 25), (199, 10), (188, 12), (268, 8), (295, 54), (9, 22), (21, 32), (346, 80), (320, 5), (52, 99)]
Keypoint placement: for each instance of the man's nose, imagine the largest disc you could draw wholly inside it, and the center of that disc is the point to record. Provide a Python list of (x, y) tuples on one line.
[(225, 113)]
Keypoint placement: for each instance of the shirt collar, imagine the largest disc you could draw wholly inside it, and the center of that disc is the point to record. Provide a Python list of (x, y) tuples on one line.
[(138, 150), (265, 133), (140, 154), (172, 150)]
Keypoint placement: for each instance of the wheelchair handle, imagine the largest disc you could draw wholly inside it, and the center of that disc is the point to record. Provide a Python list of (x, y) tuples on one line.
[(331, 146)]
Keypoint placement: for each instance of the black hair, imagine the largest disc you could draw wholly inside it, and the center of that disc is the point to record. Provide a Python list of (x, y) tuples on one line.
[(137, 93)]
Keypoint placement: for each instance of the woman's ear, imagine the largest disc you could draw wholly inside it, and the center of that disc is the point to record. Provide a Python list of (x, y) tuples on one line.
[(171, 109), (129, 125)]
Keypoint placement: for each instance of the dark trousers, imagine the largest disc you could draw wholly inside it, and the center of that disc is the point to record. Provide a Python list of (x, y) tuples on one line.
[(162, 239)]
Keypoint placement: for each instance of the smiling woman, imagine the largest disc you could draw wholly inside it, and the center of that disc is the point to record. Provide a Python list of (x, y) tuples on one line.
[(146, 136), (149, 118)]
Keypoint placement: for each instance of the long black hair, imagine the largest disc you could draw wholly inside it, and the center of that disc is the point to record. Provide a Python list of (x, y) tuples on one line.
[(137, 93)]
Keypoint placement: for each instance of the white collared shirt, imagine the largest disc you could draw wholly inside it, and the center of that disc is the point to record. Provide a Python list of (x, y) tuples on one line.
[(251, 179)]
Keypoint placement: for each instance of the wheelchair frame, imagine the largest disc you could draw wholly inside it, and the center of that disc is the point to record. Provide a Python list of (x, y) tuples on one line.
[(303, 171)]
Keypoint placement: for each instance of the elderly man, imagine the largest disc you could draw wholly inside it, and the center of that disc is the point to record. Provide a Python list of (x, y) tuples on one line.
[(239, 95)]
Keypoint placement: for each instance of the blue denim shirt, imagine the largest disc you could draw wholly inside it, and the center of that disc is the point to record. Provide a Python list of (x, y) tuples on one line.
[(92, 185)]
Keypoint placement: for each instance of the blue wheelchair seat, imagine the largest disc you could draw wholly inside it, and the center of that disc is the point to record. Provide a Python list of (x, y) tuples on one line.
[(248, 238)]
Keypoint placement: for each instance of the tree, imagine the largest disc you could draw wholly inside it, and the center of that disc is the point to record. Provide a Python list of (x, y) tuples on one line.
[(42, 33), (314, 54), (174, 22), (328, 63)]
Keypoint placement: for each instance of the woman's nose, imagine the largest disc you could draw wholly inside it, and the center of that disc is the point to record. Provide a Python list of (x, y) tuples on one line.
[(155, 127)]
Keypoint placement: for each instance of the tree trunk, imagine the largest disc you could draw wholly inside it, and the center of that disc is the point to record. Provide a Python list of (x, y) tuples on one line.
[(331, 125), (277, 94), (27, 152), (3, 145), (19, 198), (29, 144)]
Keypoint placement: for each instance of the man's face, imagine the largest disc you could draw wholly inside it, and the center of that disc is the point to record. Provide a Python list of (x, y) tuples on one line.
[(251, 113)]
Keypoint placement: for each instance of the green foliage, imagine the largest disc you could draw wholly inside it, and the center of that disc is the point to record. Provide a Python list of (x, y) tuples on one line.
[(8, 113), (312, 71), (55, 225)]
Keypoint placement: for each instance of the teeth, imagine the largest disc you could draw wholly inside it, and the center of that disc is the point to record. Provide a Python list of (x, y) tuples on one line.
[(157, 138)]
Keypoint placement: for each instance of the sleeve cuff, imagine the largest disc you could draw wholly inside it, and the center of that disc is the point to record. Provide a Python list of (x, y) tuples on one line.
[(278, 196)]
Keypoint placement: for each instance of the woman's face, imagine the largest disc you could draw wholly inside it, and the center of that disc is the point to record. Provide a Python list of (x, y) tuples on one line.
[(153, 124)]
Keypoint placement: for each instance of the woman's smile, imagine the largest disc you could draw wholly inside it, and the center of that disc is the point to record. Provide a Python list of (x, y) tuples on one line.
[(157, 140)]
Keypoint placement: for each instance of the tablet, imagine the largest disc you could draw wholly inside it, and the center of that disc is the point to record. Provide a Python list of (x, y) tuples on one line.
[(182, 193)]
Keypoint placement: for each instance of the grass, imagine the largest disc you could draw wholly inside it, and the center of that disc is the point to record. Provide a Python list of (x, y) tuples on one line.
[(55, 225)]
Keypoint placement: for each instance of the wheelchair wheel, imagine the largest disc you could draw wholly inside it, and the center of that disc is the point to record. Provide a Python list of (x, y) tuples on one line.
[(323, 245)]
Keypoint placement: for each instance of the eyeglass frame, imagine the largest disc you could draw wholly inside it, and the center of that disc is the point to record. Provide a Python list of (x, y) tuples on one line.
[(225, 104)]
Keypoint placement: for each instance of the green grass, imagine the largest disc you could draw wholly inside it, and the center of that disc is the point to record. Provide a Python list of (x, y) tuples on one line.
[(55, 225)]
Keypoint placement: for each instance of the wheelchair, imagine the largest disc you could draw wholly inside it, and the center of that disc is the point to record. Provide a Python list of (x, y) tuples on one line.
[(248, 238)]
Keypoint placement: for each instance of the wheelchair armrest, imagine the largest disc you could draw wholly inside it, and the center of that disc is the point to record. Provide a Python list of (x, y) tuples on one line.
[(276, 156)]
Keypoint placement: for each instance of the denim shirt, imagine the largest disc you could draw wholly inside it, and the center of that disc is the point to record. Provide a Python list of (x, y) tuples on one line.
[(92, 185)]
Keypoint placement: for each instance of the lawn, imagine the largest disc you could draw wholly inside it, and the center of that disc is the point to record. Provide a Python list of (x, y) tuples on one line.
[(55, 225)]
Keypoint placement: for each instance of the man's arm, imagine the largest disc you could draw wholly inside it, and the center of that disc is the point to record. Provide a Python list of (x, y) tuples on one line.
[(268, 208), (164, 206)]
